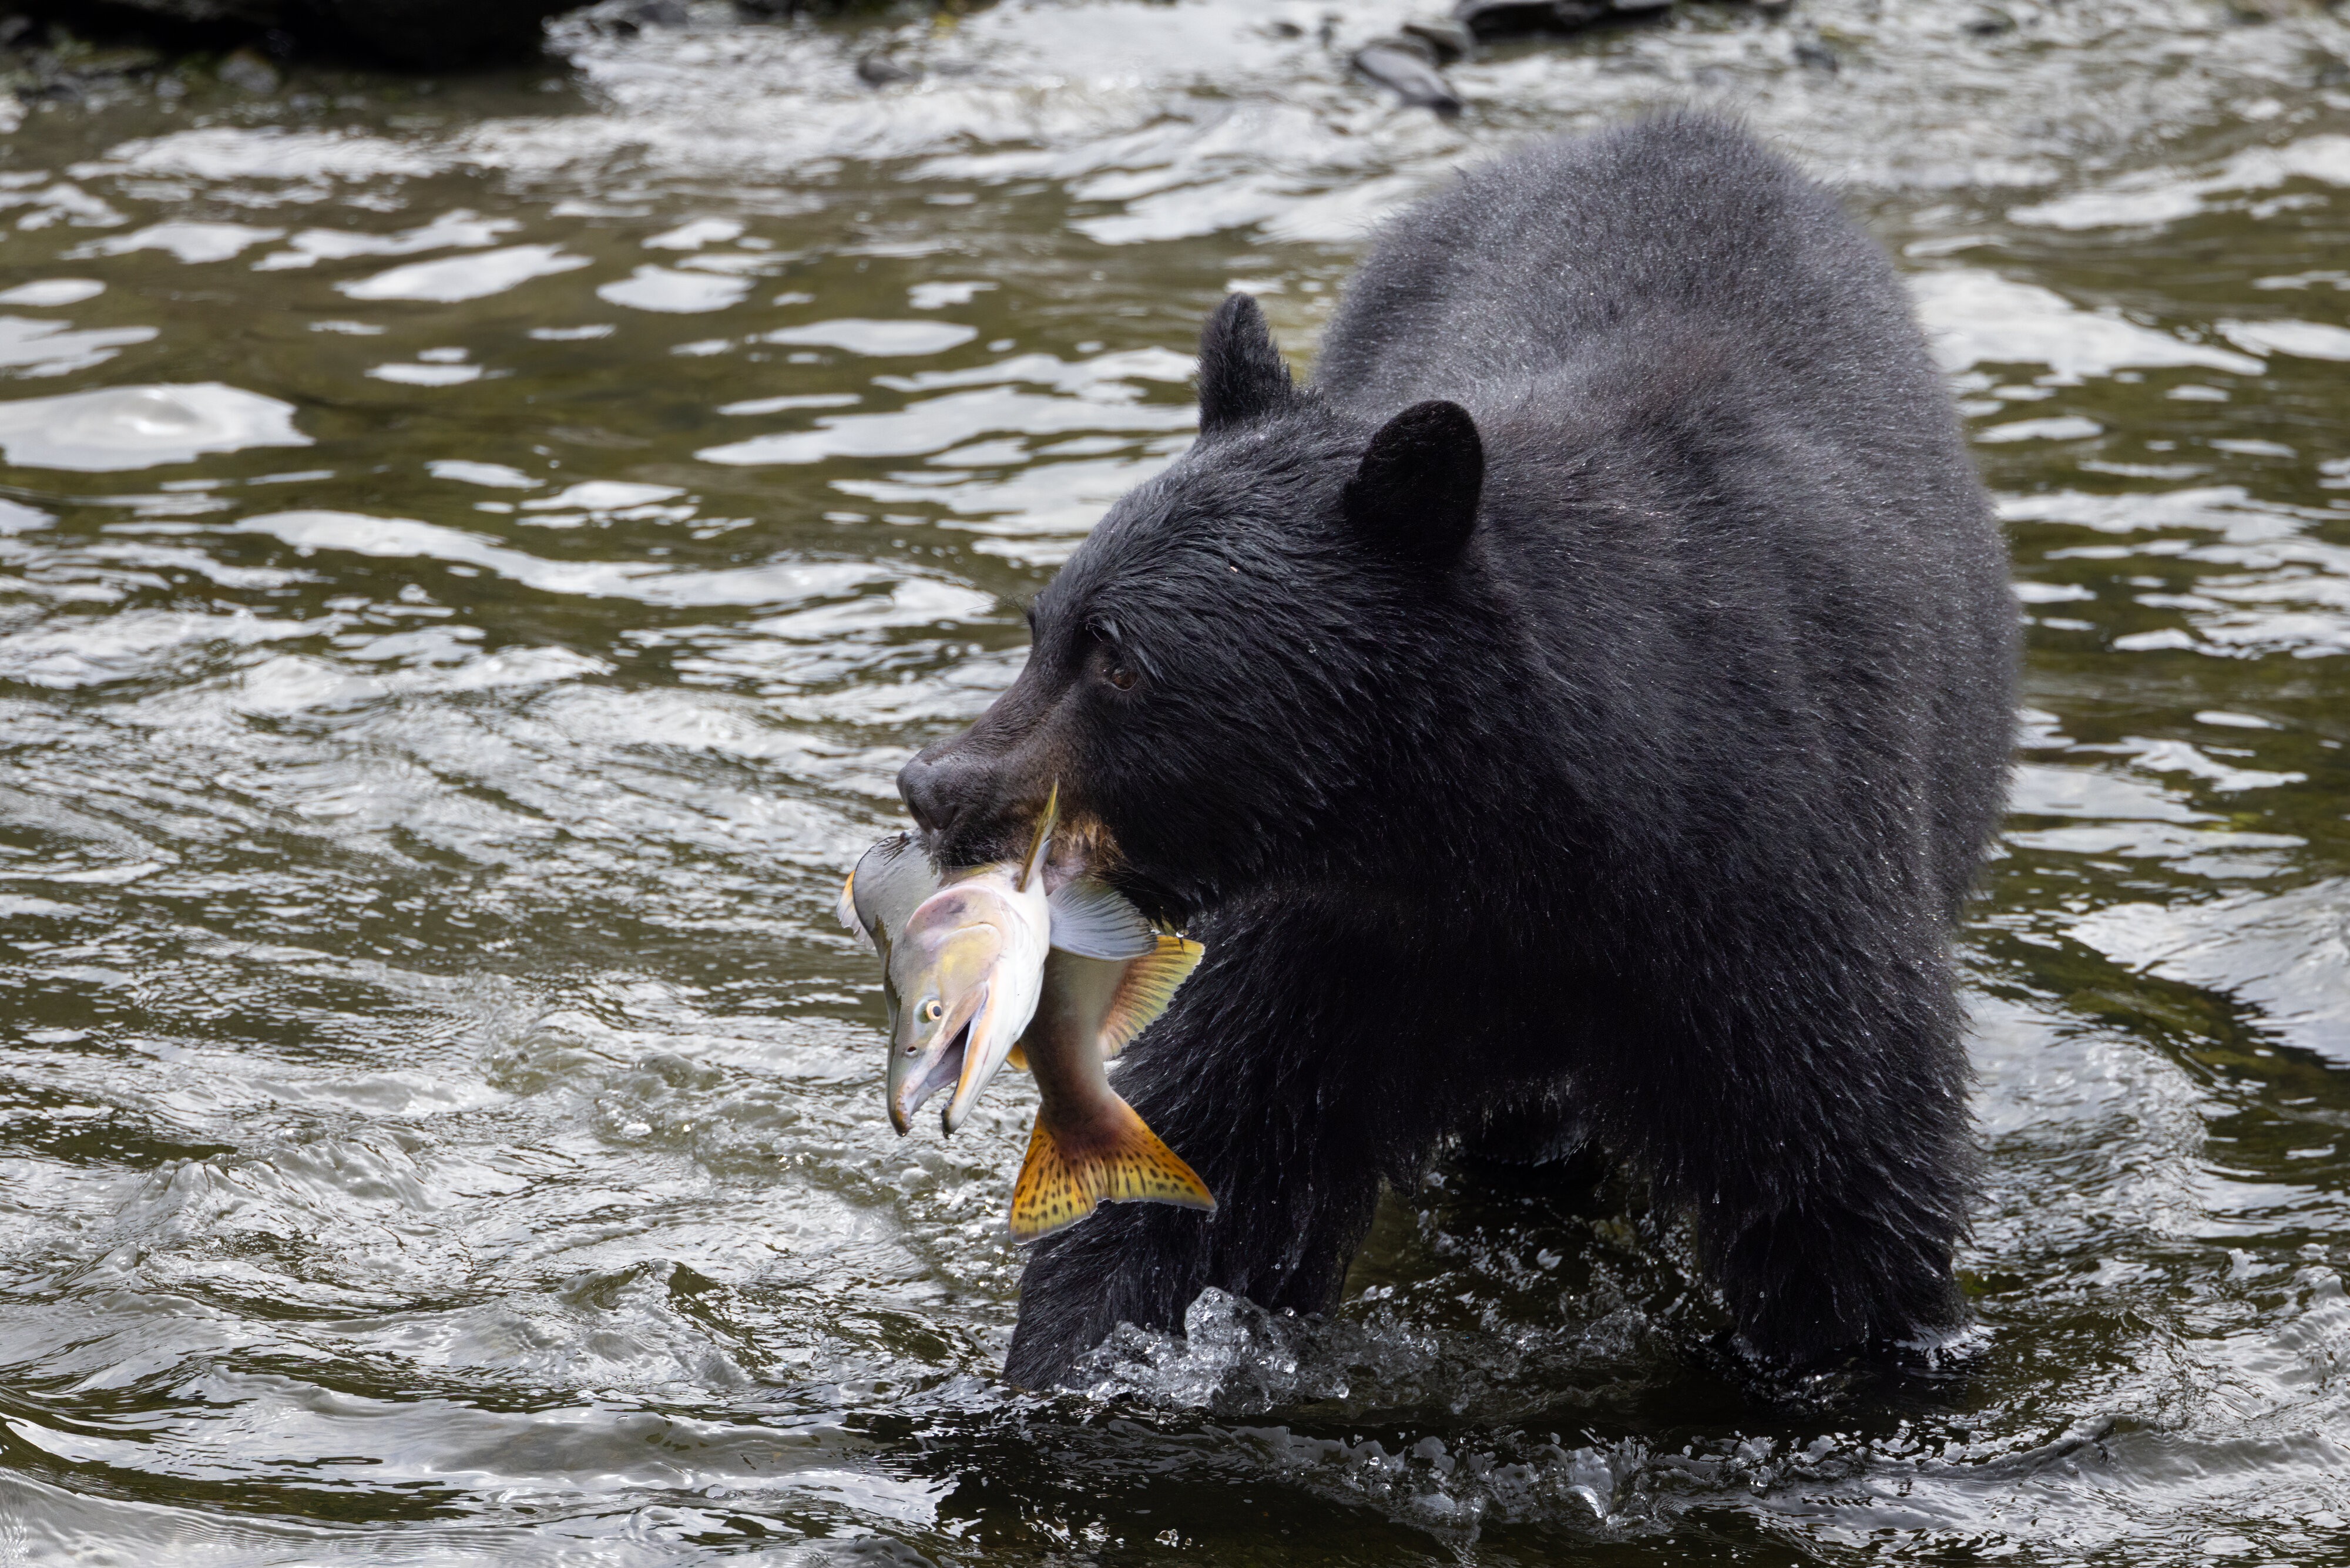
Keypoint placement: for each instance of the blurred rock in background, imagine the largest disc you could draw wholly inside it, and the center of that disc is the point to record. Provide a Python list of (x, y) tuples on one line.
[(433, 32), (1511, 18), (82, 41)]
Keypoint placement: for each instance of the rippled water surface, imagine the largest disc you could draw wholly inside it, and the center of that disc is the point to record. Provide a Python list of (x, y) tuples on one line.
[(473, 554)]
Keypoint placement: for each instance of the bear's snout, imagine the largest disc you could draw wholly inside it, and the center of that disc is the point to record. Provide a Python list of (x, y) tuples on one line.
[(968, 810), (975, 805), (939, 789)]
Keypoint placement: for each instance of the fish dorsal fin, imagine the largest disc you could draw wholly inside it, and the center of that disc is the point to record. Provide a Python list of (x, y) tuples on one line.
[(1146, 989), (889, 883), (1033, 866), (1093, 920), (1116, 1159)]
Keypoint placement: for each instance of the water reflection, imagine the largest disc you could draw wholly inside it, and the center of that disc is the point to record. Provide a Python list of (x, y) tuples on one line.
[(115, 428), (439, 1114)]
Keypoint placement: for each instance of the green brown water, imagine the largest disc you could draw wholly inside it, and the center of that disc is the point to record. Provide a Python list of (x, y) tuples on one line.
[(473, 556)]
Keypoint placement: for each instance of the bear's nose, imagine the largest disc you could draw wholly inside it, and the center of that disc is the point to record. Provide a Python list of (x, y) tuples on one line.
[(928, 789)]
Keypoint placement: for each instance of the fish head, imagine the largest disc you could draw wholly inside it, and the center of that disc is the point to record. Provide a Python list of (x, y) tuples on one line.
[(941, 970), (1013, 992)]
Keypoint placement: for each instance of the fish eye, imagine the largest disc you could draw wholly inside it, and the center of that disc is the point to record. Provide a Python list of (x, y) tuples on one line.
[(932, 1011)]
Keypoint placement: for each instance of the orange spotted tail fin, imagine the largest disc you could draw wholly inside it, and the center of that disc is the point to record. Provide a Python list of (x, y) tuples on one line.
[(1123, 1162)]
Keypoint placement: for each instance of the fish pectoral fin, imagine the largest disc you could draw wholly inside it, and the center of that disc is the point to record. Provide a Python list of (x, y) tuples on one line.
[(1018, 1058), (1146, 990), (1122, 1161), (845, 906), (1093, 920)]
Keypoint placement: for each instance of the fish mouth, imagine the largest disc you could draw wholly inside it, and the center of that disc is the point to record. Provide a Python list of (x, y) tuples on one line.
[(940, 1067), (974, 1071)]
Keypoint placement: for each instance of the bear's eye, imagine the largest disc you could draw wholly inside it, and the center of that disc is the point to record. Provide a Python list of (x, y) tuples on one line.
[(1110, 662)]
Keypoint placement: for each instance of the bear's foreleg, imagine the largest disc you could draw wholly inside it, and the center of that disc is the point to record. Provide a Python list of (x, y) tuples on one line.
[(1292, 1101)]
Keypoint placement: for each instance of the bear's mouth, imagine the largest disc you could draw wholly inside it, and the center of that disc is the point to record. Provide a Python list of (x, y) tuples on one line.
[(1083, 849)]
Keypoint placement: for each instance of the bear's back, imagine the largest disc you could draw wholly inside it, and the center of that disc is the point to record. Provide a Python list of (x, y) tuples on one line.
[(1728, 499), (1525, 264)]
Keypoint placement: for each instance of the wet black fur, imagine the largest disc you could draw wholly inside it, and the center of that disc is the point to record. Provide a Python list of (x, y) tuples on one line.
[(1610, 752)]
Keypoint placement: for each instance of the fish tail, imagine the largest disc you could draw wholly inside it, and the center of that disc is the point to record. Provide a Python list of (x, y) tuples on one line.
[(1033, 866), (1119, 1160)]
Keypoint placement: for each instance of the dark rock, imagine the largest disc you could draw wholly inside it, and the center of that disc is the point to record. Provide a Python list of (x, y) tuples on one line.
[(1640, 10), (1503, 19), (860, 10), (662, 13), (1408, 66), (1987, 24), (1511, 18), (1813, 54), (424, 33), (444, 31), (880, 70), (1449, 39)]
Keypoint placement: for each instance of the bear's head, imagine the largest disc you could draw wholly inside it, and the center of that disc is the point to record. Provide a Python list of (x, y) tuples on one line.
[(1238, 674)]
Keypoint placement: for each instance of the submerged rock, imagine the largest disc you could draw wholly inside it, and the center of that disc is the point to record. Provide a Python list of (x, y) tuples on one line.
[(249, 70), (1408, 66), (880, 70), (1813, 54)]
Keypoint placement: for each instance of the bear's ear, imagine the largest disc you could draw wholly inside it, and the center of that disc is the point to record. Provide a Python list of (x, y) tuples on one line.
[(1415, 494), (1241, 372)]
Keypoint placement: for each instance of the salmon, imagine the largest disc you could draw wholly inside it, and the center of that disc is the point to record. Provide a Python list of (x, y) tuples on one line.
[(1088, 1146)]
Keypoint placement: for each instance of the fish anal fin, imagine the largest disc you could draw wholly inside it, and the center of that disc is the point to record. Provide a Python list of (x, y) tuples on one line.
[(1146, 990), (1114, 1160)]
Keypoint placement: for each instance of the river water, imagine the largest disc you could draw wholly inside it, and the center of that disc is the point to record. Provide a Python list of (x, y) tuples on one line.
[(474, 552)]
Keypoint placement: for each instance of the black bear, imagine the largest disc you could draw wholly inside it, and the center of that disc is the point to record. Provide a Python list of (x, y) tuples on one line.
[(1585, 705)]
